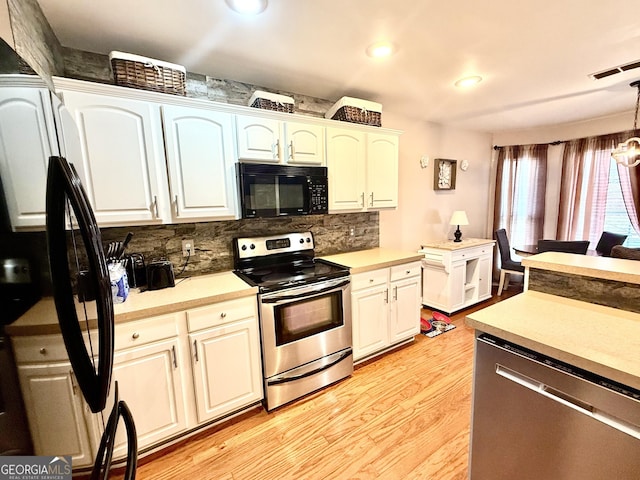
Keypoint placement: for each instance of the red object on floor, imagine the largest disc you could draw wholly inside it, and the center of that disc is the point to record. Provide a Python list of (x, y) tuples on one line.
[(441, 317)]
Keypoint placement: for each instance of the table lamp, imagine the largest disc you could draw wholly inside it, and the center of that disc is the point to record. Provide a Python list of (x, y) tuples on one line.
[(458, 218)]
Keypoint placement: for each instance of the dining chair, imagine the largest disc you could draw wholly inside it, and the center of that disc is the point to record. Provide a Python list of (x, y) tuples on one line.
[(508, 266), (607, 241), (567, 246)]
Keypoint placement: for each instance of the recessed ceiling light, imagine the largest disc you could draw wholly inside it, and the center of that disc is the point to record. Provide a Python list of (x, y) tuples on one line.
[(468, 81), (247, 7), (381, 49)]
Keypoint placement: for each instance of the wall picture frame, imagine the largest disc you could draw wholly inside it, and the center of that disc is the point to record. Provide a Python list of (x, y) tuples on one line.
[(444, 174)]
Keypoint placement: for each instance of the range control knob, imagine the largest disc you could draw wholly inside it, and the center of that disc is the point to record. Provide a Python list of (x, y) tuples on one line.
[(252, 246), (243, 247), (302, 240), (308, 240)]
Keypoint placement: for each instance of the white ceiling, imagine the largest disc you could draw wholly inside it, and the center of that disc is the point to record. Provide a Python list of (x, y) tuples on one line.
[(534, 55)]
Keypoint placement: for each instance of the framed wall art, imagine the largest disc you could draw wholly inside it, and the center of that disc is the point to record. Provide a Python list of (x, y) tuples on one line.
[(444, 174)]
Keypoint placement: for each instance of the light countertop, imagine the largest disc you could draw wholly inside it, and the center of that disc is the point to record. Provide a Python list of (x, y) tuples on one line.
[(192, 292), (617, 269), (570, 331), (464, 243), (373, 258)]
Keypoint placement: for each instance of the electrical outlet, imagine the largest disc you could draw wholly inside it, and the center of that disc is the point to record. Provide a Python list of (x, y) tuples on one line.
[(188, 248), (352, 232), (424, 161)]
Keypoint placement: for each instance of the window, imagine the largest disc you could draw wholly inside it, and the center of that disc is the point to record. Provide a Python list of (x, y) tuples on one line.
[(616, 218)]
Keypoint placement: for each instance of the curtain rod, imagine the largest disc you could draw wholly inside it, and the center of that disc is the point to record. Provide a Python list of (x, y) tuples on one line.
[(556, 142)]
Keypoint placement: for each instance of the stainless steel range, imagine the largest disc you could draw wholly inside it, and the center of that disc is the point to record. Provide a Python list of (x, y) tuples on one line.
[(305, 314)]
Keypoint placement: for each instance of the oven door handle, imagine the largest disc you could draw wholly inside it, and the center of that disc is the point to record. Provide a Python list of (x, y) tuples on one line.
[(304, 371), (303, 293)]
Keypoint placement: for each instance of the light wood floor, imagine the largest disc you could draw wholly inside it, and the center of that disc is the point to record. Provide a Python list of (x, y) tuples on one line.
[(403, 416)]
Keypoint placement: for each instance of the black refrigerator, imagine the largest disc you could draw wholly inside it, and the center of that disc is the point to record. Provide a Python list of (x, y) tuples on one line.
[(77, 264)]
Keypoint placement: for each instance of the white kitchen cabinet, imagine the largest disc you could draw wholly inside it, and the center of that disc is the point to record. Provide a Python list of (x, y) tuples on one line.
[(151, 380), (363, 170), (54, 405), (382, 170), (123, 157), (27, 140), (405, 294), (225, 353), (272, 141), (201, 163), (456, 275), (346, 165), (385, 306)]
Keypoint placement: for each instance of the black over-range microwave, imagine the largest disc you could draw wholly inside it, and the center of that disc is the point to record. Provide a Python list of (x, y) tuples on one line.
[(282, 190)]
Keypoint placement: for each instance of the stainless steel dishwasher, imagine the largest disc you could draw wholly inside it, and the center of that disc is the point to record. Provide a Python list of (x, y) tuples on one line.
[(535, 418)]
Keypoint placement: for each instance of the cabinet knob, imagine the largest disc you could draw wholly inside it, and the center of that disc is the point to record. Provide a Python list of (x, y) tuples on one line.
[(223, 315), (371, 280), (135, 335), (408, 272), (43, 351)]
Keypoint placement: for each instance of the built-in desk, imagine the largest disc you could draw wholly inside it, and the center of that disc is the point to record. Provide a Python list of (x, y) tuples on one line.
[(456, 275)]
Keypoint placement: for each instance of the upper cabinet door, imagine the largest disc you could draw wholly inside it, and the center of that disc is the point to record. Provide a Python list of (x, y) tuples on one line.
[(259, 139), (27, 140), (123, 157), (346, 164), (304, 144), (382, 171), (201, 164)]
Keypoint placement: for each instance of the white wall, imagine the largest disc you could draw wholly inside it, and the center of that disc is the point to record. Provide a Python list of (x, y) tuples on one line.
[(423, 214), (568, 131), (6, 33)]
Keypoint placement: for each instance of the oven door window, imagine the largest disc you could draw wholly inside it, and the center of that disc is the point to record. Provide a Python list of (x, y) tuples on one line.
[(293, 195), (306, 317)]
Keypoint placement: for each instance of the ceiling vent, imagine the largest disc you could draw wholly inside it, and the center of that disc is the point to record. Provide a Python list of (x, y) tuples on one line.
[(614, 70)]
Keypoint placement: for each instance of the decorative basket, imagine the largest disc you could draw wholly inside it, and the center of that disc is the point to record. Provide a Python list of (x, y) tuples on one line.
[(355, 110), (271, 101), (147, 73)]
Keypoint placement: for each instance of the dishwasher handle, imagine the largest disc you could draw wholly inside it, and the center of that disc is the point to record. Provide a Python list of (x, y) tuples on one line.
[(568, 401)]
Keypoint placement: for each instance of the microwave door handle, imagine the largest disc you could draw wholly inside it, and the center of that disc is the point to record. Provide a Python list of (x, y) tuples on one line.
[(310, 291)]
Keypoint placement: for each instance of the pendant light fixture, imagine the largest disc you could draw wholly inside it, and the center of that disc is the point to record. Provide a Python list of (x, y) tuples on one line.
[(628, 153)]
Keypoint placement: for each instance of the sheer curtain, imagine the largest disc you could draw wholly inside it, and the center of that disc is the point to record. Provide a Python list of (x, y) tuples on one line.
[(584, 185), (630, 185), (521, 182)]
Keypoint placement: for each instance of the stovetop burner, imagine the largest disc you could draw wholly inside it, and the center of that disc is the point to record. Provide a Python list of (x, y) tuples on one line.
[(284, 261)]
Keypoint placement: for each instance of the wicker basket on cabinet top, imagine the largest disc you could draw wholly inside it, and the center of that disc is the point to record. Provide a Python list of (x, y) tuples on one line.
[(355, 110), (271, 101), (147, 73)]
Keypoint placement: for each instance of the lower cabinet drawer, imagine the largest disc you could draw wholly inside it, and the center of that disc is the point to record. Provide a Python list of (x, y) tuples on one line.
[(221, 313), (407, 270), (369, 279), (139, 332), (39, 348)]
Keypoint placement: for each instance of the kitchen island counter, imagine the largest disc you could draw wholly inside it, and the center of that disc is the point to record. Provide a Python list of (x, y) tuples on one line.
[(373, 259), (192, 292), (599, 339)]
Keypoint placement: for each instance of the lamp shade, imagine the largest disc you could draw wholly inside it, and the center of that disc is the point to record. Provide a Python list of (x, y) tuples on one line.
[(459, 217)]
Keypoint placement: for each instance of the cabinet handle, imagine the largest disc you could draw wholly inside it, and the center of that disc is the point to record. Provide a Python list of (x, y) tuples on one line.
[(386, 296), (175, 358), (223, 315), (155, 206), (43, 351), (276, 151), (292, 150), (135, 335), (371, 205), (195, 349), (176, 203), (362, 199), (74, 387), (395, 293)]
